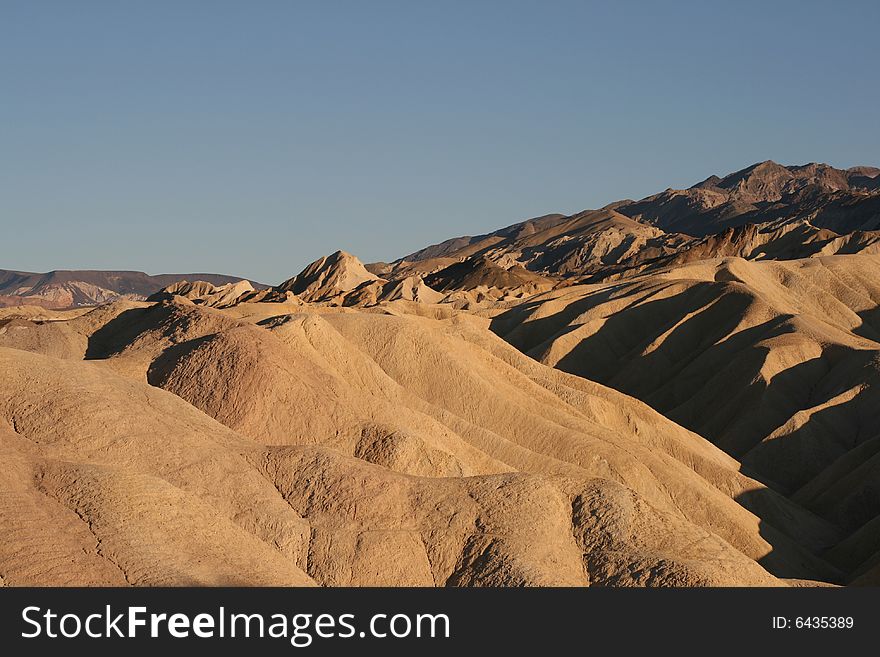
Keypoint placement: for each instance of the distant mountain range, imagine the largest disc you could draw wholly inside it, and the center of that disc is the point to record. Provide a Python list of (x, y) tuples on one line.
[(842, 200), (68, 289), (763, 212)]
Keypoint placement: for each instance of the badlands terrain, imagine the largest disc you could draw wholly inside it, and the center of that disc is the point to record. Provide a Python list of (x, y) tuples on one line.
[(676, 391)]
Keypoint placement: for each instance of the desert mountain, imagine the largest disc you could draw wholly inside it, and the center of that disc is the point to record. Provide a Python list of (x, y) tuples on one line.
[(340, 279), (328, 278), (68, 289), (766, 211), (479, 271), (842, 200), (585, 243), (781, 239), (204, 293)]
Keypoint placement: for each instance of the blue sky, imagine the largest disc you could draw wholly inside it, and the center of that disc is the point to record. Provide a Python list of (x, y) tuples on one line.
[(252, 137)]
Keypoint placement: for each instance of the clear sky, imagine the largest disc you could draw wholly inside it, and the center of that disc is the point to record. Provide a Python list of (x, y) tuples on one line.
[(252, 137)]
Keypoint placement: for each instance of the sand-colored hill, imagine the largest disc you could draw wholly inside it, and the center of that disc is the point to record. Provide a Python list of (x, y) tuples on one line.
[(481, 272), (778, 363), (411, 288), (329, 277), (205, 293), (776, 240), (347, 446), (112, 481), (340, 279), (583, 244)]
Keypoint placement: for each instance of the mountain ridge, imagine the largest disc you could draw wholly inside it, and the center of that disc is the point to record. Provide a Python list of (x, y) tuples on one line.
[(70, 288), (755, 212)]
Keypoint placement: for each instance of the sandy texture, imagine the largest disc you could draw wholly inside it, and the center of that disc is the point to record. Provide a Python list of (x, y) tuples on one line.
[(360, 447)]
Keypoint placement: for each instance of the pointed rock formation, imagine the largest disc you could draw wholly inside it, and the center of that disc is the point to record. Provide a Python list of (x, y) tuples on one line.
[(204, 293), (328, 277)]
